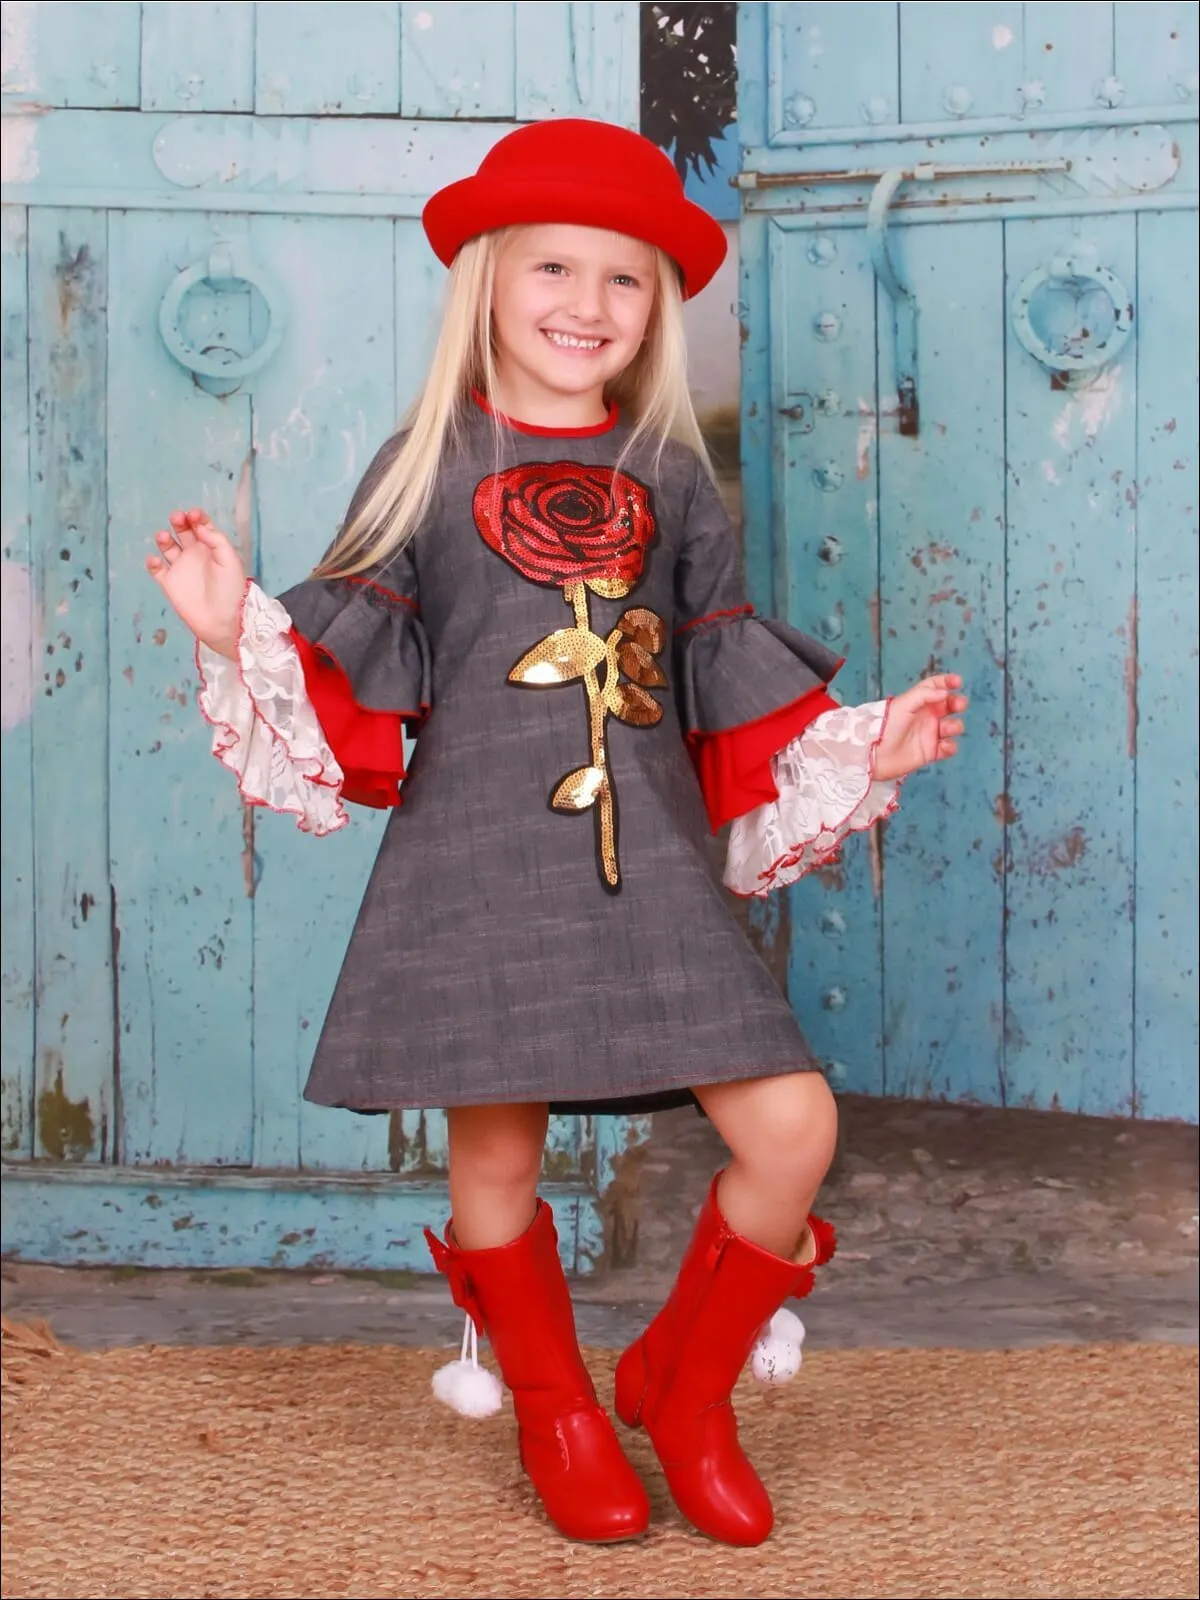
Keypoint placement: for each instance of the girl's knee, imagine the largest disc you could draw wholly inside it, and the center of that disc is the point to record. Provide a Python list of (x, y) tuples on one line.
[(498, 1146), (794, 1134)]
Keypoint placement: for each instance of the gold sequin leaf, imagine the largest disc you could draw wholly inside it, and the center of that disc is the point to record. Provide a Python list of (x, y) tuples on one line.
[(578, 790), (638, 664), (563, 656), (644, 628), (633, 705), (609, 588)]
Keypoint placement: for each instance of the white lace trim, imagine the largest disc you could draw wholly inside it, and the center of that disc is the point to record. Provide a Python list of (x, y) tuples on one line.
[(826, 792), (265, 730)]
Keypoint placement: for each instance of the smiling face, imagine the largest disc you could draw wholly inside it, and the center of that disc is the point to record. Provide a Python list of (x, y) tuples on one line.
[(570, 309)]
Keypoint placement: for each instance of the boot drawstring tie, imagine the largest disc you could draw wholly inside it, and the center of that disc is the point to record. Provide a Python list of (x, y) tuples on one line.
[(464, 1385)]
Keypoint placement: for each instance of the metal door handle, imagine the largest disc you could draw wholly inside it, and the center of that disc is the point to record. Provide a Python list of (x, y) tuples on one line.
[(1082, 352), (225, 264)]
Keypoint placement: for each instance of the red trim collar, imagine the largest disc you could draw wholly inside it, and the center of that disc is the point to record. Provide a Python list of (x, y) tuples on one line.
[(590, 432)]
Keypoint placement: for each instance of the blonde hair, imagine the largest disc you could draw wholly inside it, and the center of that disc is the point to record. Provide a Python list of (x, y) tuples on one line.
[(652, 391)]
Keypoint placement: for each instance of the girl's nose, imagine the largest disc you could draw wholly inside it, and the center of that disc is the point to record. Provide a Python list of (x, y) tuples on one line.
[(588, 302)]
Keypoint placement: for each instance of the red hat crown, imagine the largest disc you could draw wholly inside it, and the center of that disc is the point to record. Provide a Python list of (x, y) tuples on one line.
[(590, 173)]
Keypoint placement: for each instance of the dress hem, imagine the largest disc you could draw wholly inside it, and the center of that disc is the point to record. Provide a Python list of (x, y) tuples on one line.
[(611, 1103)]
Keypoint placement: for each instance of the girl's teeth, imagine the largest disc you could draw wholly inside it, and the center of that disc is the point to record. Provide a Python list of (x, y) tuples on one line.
[(572, 343)]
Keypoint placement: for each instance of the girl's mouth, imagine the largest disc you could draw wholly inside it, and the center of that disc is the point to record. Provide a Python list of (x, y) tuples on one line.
[(571, 341)]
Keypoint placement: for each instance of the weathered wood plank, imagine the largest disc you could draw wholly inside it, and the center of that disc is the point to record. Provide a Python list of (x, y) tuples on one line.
[(958, 61), (753, 49), (1068, 53), (941, 500), (1165, 1027), (19, 647), (315, 60), (457, 59), (237, 163), (225, 1219), (198, 57), (321, 408), (833, 66), (419, 278), (826, 517), (77, 1104), (72, 53), (1071, 548), (181, 857), (1155, 50), (577, 61)]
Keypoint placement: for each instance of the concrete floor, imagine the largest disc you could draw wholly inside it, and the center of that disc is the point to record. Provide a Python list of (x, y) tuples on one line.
[(959, 1226)]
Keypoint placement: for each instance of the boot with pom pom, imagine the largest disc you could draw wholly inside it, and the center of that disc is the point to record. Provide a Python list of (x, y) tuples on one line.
[(676, 1380), (517, 1295)]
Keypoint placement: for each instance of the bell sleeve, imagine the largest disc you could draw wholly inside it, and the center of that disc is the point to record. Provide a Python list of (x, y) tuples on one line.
[(367, 670), (265, 729), (748, 686), (329, 679), (827, 790)]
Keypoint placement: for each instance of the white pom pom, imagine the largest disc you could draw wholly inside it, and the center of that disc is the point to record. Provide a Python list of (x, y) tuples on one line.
[(776, 1357), (464, 1385), (471, 1391)]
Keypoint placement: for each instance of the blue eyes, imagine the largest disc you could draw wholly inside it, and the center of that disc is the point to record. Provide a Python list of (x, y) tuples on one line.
[(622, 279)]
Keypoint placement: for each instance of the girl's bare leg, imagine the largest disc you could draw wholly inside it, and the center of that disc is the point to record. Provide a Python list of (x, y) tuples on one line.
[(495, 1163), (782, 1133)]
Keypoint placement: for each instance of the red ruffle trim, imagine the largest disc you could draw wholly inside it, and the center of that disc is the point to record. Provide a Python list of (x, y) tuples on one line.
[(734, 766), (369, 745)]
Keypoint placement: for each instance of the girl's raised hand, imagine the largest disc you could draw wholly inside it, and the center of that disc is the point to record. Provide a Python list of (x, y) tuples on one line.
[(923, 725), (202, 576)]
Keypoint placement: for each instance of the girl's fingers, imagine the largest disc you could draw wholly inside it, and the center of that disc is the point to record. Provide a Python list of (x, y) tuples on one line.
[(156, 567)]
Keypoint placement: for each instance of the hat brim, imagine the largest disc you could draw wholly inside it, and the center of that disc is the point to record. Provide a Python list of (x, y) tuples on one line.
[(676, 225)]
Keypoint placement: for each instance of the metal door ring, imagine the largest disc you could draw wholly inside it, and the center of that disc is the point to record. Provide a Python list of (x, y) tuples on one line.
[(1084, 348), (223, 268)]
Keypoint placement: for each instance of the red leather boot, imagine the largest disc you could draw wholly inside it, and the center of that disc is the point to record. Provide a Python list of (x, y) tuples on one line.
[(518, 1295), (676, 1380)]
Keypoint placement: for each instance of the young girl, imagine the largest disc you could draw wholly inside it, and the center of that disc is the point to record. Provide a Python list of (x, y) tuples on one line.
[(537, 574)]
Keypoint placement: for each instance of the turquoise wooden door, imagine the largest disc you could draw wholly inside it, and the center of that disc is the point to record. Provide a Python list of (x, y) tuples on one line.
[(216, 290), (970, 425)]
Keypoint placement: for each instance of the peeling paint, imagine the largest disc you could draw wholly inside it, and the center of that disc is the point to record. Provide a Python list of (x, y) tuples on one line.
[(66, 1127), (1088, 410), (22, 639), (18, 151), (1132, 674), (620, 1207), (862, 449), (1059, 855), (19, 72)]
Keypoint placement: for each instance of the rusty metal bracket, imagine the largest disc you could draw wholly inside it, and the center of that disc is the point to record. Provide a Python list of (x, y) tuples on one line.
[(904, 304), (926, 171)]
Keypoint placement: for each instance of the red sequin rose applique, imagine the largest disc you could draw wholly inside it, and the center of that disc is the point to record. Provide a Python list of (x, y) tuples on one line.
[(561, 523), (582, 528)]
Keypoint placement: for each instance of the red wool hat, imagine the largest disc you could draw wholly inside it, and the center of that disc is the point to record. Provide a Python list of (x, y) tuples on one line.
[(592, 174)]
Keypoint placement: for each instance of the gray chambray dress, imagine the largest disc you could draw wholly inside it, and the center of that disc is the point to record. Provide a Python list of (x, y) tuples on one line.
[(542, 922)]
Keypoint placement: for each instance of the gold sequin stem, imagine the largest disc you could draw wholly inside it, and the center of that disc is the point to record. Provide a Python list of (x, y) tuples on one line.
[(576, 596)]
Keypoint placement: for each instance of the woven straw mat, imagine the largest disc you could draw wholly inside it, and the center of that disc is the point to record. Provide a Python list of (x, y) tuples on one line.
[(332, 1471)]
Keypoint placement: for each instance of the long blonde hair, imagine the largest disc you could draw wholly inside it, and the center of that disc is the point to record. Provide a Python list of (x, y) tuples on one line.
[(652, 392)]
